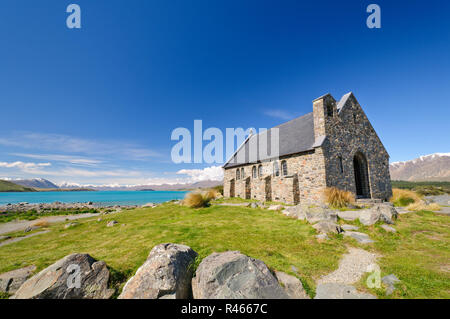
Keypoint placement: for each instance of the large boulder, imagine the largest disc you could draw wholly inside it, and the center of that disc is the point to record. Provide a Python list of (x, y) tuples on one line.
[(166, 273), (12, 280), (348, 214), (76, 276), (369, 216), (381, 212), (232, 275), (291, 285), (327, 226), (311, 213)]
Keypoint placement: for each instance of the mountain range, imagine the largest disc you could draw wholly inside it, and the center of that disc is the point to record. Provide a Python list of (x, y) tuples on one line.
[(433, 167)]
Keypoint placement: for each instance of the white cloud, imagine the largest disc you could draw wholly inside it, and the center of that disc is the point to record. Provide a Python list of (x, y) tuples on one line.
[(22, 165), (61, 158), (279, 114), (214, 173), (69, 144)]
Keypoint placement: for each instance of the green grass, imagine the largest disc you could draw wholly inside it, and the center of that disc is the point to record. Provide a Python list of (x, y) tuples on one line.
[(6, 186), (418, 254), (267, 235), (33, 214)]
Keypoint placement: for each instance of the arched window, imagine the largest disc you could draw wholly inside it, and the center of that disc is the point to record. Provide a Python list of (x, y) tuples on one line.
[(260, 172), (341, 166), (276, 169), (242, 173), (238, 174), (284, 168), (254, 171)]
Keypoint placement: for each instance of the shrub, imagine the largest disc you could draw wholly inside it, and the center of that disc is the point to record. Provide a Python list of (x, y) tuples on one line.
[(404, 197), (219, 188), (211, 194), (196, 200), (338, 198)]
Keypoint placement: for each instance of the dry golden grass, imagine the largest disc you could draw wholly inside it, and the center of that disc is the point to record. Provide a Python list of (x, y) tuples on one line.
[(420, 205), (196, 200), (404, 197), (211, 194), (338, 198), (41, 223)]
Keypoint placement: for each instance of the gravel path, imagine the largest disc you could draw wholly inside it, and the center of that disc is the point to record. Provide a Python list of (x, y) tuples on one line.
[(351, 267), (16, 239), (14, 226)]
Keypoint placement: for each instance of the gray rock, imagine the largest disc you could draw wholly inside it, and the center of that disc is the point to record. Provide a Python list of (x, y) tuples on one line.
[(349, 227), (389, 229), (348, 214), (390, 281), (59, 281), (339, 291), (369, 217), (327, 226), (232, 275), (31, 228), (70, 225), (12, 280), (312, 214), (166, 273), (111, 223), (291, 285), (254, 205), (360, 237)]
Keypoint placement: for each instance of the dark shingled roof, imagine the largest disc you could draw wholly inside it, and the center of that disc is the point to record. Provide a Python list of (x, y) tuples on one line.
[(295, 136)]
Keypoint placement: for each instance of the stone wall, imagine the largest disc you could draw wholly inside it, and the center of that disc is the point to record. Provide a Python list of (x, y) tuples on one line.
[(304, 182), (349, 132)]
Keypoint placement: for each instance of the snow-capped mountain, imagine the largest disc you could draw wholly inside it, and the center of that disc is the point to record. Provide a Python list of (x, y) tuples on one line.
[(433, 167), (35, 182)]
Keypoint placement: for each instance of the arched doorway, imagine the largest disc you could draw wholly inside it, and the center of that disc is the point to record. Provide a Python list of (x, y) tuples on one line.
[(361, 176), (232, 187)]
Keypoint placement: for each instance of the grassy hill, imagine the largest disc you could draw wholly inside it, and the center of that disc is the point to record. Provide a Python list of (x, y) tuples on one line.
[(418, 253), (6, 186)]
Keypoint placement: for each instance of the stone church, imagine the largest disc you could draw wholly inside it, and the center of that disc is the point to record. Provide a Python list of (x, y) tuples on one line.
[(333, 146)]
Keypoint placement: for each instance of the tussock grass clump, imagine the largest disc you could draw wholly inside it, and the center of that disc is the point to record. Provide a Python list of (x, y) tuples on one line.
[(404, 197), (421, 205), (338, 198), (41, 223), (197, 200), (211, 194)]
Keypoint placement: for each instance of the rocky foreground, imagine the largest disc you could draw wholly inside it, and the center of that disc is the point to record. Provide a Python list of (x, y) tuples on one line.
[(57, 206)]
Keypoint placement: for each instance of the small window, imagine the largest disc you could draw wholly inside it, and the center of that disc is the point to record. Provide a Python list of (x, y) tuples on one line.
[(341, 166), (284, 168), (276, 169), (242, 173), (330, 110), (238, 173), (254, 171), (260, 172), (354, 118)]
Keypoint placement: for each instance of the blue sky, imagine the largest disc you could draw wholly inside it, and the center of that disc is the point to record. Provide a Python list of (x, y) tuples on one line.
[(97, 105)]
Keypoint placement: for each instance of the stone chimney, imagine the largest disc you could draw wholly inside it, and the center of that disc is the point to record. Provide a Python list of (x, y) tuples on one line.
[(324, 109)]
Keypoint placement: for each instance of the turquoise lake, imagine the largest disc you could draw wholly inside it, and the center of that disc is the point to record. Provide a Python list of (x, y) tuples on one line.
[(100, 197)]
